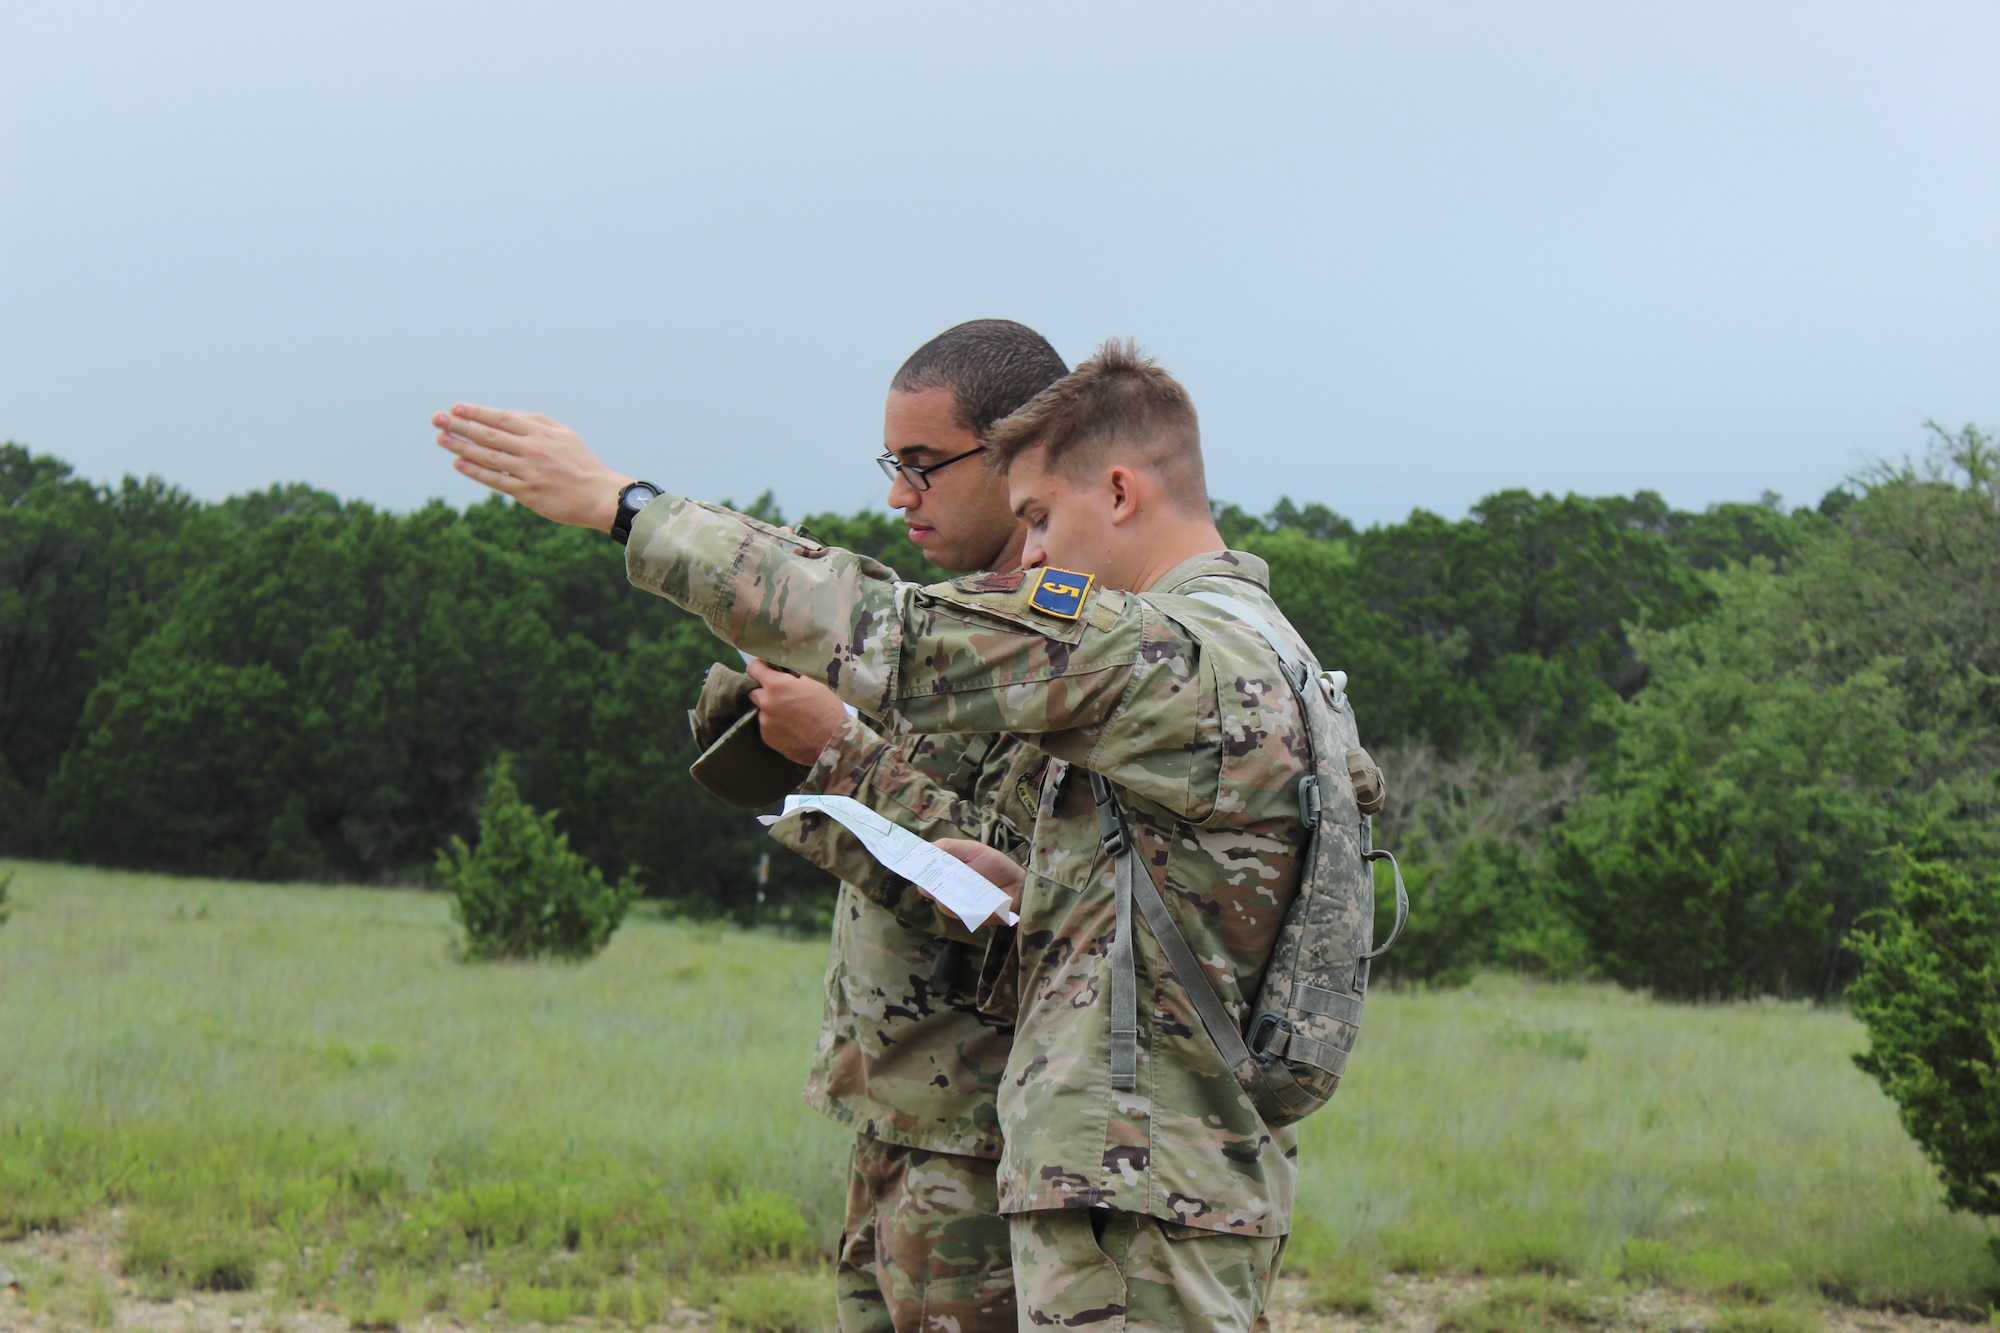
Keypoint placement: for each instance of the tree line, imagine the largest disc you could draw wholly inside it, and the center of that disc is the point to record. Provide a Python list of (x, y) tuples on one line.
[(1662, 746)]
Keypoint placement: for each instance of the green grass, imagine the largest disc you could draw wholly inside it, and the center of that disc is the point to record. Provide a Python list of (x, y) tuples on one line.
[(298, 1089), (1530, 1305), (1513, 1128)]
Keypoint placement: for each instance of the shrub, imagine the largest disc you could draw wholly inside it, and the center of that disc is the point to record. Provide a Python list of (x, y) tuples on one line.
[(758, 1224), (1528, 1305), (1929, 995), (1470, 832), (778, 1302), (522, 893)]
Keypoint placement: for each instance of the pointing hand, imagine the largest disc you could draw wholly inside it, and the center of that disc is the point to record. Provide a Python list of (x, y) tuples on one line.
[(542, 463)]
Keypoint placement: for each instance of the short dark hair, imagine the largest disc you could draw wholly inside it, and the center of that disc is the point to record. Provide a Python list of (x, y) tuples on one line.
[(1118, 404), (991, 366)]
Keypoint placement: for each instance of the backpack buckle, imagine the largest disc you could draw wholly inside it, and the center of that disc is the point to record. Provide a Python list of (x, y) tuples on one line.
[(1110, 819), (1309, 803), (1267, 1031)]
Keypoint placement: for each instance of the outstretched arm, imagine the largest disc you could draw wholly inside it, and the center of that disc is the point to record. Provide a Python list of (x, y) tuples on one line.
[(974, 656)]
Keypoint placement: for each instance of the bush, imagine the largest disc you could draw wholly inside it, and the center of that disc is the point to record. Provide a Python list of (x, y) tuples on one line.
[(1470, 832), (1782, 742), (522, 893), (1929, 994)]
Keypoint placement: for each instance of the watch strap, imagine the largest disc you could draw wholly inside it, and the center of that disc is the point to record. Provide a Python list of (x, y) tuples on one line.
[(621, 525)]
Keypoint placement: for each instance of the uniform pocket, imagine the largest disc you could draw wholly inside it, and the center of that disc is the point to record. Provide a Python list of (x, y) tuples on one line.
[(974, 1303)]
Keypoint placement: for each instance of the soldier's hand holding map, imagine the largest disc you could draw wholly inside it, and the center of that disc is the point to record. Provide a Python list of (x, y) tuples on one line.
[(948, 871)]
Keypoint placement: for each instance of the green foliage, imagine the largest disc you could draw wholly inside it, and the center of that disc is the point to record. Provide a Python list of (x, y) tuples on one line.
[(763, 1224), (84, 570), (1529, 1305), (1784, 740), (1792, 1317), (167, 1254), (306, 689), (1510, 622), (779, 1302), (1341, 1283), (1929, 995), (521, 892), (1469, 833)]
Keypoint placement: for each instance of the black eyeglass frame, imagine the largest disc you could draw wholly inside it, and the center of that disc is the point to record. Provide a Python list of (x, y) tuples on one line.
[(919, 475)]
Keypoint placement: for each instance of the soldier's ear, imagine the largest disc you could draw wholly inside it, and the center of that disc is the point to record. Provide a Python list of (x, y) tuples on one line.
[(1124, 487)]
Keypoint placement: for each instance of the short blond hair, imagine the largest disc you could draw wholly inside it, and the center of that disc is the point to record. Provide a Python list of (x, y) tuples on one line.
[(1117, 406)]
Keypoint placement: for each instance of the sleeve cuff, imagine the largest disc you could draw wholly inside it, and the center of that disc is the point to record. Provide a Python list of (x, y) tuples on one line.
[(846, 762)]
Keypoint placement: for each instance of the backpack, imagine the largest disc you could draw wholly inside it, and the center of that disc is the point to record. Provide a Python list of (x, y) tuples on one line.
[(1308, 1010)]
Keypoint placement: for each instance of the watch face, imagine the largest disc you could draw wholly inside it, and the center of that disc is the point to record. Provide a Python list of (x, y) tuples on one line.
[(638, 497)]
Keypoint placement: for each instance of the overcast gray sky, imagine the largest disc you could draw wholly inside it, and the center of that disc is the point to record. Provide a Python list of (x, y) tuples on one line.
[(1402, 254)]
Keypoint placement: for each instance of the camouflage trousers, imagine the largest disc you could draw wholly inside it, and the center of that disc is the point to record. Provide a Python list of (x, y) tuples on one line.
[(1102, 1269), (924, 1247)]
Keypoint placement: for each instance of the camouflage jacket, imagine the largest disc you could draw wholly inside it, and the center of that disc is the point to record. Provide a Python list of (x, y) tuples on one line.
[(1185, 710), (904, 1053)]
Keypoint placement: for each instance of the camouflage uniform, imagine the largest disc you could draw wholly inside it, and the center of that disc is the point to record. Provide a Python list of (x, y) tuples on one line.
[(905, 1058), (1116, 1270), (1186, 712)]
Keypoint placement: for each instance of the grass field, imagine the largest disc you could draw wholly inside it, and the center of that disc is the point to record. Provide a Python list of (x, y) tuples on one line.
[(298, 1089)]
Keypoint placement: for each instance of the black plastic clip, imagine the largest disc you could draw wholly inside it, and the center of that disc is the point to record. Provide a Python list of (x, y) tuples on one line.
[(1309, 803), (1265, 1030)]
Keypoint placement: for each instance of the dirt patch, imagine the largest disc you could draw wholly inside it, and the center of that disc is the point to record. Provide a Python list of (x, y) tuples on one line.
[(70, 1280)]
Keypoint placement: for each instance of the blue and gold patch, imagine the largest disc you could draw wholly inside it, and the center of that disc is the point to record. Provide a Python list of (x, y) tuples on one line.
[(1060, 593)]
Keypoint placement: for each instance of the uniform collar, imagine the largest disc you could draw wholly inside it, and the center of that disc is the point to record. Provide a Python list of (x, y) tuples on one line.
[(1211, 564)]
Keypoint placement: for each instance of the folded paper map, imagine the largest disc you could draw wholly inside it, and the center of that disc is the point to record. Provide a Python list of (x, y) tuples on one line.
[(957, 887)]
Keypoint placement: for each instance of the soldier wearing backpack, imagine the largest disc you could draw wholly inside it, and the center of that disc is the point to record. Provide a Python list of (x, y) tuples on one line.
[(1197, 779)]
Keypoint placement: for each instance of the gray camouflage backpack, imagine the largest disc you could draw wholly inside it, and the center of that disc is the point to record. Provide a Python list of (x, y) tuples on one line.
[(1308, 1010)]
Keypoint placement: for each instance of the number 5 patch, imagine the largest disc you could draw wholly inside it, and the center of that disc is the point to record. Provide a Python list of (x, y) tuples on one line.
[(1060, 593)]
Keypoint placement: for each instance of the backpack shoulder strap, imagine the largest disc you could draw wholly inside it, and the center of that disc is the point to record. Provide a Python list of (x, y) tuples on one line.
[(1298, 670), (1133, 883)]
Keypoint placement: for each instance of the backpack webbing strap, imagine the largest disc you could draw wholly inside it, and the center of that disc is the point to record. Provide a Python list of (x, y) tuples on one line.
[(967, 772), (1133, 882), (1297, 670), (1117, 843)]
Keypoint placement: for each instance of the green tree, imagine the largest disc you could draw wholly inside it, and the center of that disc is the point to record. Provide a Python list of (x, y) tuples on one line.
[(1470, 832), (1786, 739), (84, 569), (319, 702), (1929, 995), (520, 892)]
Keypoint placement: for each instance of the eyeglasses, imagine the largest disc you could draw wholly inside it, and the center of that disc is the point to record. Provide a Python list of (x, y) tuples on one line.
[(919, 476)]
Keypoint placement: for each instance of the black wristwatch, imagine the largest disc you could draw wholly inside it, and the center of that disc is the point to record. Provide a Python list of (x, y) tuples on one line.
[(631, 499)]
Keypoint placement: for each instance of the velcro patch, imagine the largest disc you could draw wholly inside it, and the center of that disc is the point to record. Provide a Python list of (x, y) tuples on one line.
[(1007, 582), (1060, 592)]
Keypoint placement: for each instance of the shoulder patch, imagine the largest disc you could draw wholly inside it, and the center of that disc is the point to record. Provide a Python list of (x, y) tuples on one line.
[(1010, 581), (1060, 592)]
